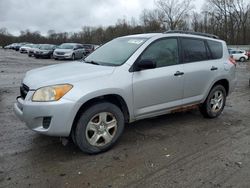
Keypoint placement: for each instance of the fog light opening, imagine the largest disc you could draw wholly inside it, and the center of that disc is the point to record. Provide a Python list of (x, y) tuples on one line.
[(46, 122)]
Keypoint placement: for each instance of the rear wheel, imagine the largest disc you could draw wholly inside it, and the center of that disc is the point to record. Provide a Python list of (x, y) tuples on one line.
[(242, 59), (98, 128), (215, 102)]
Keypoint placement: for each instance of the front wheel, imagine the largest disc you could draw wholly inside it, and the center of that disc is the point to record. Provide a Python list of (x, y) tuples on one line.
[(215, 102), (99, 128), (73, 57)]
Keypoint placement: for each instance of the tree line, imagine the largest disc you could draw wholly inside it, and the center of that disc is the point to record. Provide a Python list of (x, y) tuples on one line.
[(229, 19)]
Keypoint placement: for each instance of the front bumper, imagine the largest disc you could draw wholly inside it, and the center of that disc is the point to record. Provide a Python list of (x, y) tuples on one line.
[(42, 55), (23, 51), (66, 56), (60, 113)]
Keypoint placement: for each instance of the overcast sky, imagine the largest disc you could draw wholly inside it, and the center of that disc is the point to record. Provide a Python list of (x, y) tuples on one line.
[(69, 15)]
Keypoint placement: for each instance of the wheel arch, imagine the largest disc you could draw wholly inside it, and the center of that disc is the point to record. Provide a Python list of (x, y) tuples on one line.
[(112, 98), (224, 83)]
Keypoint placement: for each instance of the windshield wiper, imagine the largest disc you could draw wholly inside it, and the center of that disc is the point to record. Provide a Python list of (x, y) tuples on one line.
[(92, 62)]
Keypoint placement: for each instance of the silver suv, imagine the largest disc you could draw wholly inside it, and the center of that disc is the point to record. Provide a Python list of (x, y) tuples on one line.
[(127, 79)]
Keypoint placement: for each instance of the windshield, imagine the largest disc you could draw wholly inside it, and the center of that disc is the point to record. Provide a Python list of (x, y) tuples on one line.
[(66, 46), (36, 45), (115, 52), (86, 46), (46, 47)]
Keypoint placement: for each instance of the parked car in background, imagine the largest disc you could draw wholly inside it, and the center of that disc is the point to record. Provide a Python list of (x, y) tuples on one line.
[(69, 51), (32, 49), (248, 54), (19, 45), (44, 51), (89, 48), (25, 48), (8, 46), (127, 79), (238, 55), (11, 46)]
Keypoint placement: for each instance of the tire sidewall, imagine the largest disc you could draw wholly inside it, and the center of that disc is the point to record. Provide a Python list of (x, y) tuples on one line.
[(86, 116)]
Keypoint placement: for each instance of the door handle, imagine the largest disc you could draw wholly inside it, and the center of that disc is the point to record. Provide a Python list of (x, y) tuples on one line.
[(178, 73), (214, 68)]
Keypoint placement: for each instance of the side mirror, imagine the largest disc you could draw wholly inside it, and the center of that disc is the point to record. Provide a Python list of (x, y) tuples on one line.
[(144, 64)]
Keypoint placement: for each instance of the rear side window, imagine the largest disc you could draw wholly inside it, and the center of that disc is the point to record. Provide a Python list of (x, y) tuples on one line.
[(216, 49), (194, 50)]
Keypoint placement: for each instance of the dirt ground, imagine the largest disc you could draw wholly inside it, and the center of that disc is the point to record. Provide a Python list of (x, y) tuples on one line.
[(177, 150)]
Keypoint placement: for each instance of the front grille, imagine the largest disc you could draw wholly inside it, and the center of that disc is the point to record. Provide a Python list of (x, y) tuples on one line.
[(24, 90), (60, 53)]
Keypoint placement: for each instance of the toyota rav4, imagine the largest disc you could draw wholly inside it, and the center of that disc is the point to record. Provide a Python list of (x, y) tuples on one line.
[(127, 79)]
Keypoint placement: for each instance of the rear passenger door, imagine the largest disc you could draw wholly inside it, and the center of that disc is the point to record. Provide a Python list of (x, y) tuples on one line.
[(200, 67)]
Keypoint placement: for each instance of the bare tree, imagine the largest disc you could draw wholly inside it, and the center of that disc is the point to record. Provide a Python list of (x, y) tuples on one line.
[(195, 21), (151, 20), (231, 17), (174, 11)]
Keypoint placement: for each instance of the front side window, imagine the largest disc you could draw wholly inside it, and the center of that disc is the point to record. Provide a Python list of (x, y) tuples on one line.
[(164, 52), (194, 50)]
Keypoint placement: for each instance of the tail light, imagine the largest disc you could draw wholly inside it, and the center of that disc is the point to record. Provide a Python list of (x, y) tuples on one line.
[(231, 60)]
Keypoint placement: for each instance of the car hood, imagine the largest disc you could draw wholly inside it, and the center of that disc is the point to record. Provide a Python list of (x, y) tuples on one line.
[(44, 50), (64, 73)]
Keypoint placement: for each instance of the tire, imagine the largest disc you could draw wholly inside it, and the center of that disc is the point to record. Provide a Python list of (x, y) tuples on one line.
[(73, 57), (92, 134), (242, 59), (29, 55), (214, 103)]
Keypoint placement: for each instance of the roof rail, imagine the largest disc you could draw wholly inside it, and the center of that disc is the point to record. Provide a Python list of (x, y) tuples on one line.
[(193, 33)]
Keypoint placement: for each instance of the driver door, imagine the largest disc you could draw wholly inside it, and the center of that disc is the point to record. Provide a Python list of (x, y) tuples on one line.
[(156, 90)]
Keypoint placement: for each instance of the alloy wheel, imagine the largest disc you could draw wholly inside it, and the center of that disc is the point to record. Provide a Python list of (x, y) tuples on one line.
[(217, 101), (101, 129)]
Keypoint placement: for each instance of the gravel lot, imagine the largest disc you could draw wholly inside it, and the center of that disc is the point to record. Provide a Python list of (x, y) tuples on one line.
[(177, 150)]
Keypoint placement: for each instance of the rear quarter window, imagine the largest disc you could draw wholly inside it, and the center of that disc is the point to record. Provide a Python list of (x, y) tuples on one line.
[(215, 49)]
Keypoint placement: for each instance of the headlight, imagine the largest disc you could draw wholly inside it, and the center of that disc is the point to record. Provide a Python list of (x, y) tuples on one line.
[(51, 93)]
